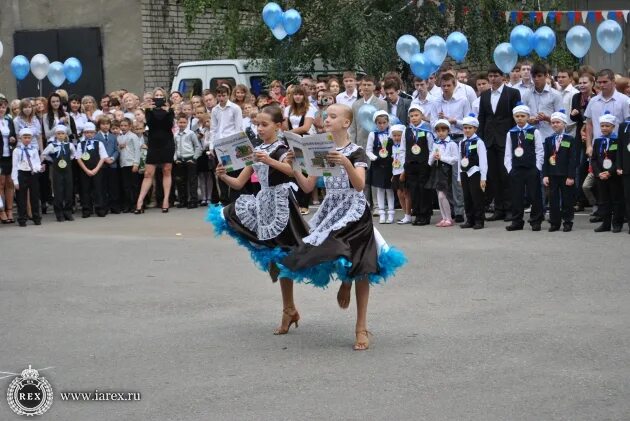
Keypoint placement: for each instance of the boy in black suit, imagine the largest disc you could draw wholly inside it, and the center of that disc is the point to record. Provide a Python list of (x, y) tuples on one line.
[(559, 169), (623, 162), (610, 190)]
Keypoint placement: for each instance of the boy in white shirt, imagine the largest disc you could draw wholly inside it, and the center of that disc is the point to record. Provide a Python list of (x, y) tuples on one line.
[(26, 166)]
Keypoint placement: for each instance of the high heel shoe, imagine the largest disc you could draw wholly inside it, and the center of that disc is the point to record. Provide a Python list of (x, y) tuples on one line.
[(164, 210), (138, 211), (288, 318), (362, 345)]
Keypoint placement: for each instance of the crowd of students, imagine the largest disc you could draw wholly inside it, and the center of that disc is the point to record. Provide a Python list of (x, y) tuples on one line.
[(508, 143)]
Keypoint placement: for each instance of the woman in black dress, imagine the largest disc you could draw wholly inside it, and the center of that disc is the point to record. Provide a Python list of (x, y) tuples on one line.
[(161, 147)]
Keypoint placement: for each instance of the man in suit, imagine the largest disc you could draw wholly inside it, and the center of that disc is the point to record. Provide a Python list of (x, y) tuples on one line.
[(396, 105), (495, 120), (357, 133)]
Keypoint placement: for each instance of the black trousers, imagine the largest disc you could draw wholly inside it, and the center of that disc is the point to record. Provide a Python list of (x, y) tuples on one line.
[(112, 188), (626, 194), (92, 191), (45, 190), (421, 197), (610, 200), (186, 180), (498, 184), (63, 190), (526, 180), (561, 200), (129, 181), (28, 187), (473, 198), (302, 198)]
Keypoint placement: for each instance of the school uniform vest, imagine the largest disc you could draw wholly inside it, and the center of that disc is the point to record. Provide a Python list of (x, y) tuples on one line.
[(94, 154), (64, 153), (528, 143), (473, 154), (563, 156), (301, 121), (376, 148), (624, 144), (416, 137), (605, 148)]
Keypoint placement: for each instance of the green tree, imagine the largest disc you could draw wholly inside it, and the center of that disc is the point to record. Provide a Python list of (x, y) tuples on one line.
[(358, 34)]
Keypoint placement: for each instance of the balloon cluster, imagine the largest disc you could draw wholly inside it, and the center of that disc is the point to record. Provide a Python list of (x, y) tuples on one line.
[(435, 51), (523, 41), (281, 23), (41, 67)]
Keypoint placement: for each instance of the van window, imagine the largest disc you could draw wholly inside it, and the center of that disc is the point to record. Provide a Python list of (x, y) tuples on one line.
[(189, 87), (258, 85), (214, 82)]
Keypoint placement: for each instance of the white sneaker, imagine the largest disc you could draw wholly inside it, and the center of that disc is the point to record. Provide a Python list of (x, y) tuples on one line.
[(390, 217), (381, 219), (405, 220)]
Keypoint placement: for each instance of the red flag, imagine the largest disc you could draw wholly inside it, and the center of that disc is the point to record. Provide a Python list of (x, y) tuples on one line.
[(619, 15), (578, 17), (558, 17), (519, 16), (539, 17), (598, 16)]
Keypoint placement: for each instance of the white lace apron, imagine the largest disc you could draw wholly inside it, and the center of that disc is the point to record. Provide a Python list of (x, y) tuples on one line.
[(267, 213), (341, 206)]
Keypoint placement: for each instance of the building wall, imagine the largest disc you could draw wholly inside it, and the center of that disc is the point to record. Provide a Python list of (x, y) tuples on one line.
[(121, 30)]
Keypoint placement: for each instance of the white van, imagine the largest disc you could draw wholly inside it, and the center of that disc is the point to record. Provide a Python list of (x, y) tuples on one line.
[(193, 77)]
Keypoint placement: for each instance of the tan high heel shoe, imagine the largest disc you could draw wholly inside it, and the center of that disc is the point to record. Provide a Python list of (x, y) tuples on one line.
[(289, 317), (362, 345)]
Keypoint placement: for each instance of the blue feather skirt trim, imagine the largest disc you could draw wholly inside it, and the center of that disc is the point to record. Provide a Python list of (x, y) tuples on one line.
[(390, 259)]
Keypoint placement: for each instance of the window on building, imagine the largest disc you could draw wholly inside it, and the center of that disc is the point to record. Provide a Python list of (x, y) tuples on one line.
[(189, 87), (214, 82), (258, 85)]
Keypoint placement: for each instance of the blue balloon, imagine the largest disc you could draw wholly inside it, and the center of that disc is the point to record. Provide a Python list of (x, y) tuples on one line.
[(72, 69), (578, 41), (393, 120), (365, 117), (278, 32), (56, 75), (435, 50), (522, 39), (544, 41), (291, 20), (406, 46), (20, 66), (421, 66), (609, 35), (457, 46), (272, 15), (505, 57)]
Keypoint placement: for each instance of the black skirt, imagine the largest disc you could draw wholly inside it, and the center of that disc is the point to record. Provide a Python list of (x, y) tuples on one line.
[(6, 165), (440, 178), (355, 242), (381, 176), (160, 154)]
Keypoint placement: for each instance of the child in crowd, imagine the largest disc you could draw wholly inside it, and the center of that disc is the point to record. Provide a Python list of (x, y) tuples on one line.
[(559, 170), (418, 143), (61, 154), (206, 162), (111, 176), (91, 155), (523, 161), (129, 146), (609, 184), (623, 162), (473, 169), (187, 150), (24, 173), (441, 161), (193, 122), (379, 150), (398, 161)]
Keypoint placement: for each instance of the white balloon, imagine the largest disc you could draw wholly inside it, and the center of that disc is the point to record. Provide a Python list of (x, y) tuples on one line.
[(39, 66), (1, 49)]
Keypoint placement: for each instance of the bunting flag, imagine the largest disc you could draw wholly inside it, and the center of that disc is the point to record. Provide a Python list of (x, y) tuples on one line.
[(573, 16)]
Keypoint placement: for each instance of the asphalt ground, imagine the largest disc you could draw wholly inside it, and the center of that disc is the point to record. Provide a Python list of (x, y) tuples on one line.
[(480, 325)]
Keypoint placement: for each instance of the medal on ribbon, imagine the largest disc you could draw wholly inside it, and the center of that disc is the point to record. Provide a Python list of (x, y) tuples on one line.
[(465, 162), (415, 149), (85, 156), (62, 163), (518, 152)]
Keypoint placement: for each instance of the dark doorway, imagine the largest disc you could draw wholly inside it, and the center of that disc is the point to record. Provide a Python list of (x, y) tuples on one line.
[(59, 45)]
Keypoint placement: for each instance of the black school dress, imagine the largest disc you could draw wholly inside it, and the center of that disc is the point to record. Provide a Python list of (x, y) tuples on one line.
[(269, 223), (342, 242), (161, 145)]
